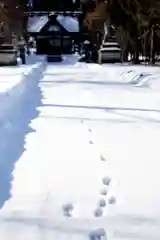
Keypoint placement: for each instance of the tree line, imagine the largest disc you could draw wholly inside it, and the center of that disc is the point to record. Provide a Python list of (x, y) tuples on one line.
[(137, 24)]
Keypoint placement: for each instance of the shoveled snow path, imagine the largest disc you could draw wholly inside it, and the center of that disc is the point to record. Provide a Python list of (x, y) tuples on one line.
[(90, 127)]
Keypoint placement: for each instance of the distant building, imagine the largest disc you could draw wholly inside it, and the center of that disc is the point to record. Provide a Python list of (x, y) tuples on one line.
[(54, 34)]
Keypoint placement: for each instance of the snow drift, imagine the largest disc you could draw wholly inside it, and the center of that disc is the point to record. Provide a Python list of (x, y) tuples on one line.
[(14, 115)]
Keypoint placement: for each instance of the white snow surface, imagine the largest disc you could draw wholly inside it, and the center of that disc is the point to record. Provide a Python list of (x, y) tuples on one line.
[(36, 23), (12, 81), (75, 132), (71, 24)]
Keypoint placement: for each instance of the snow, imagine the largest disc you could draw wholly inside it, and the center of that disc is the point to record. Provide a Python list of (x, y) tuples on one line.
[(108, 49), (12, 82), (110, 44), (36, 23), (69, 23), (80, 153)]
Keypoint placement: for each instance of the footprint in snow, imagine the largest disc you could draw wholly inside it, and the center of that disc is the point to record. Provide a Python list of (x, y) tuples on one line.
[(106, 181), (102, 203), (98, 212), (104, 192), (97, 234), (90, 142), (112, 200), (103, 159), (67, 209)]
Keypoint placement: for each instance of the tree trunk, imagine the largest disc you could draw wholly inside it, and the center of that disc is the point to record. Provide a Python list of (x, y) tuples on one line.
[(152, 55), (122, 39)]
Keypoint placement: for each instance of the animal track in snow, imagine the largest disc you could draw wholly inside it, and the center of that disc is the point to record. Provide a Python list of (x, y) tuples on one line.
[(112, 200), (67, 209), (106, 181), (98, 212), (102, 158), (104, 192), (97, 234), (102, 203)]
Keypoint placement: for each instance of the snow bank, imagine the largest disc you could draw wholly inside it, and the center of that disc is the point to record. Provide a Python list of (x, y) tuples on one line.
[(14, 123), (15, 90)]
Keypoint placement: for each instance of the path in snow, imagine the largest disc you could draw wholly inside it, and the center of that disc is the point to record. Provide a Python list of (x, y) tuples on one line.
[(91, 160)]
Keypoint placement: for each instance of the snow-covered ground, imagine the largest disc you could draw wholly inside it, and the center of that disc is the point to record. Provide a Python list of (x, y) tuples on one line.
[(80, 154)]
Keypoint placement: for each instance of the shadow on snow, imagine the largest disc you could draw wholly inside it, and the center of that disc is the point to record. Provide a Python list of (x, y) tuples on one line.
[(105, 108), (13, 129)]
